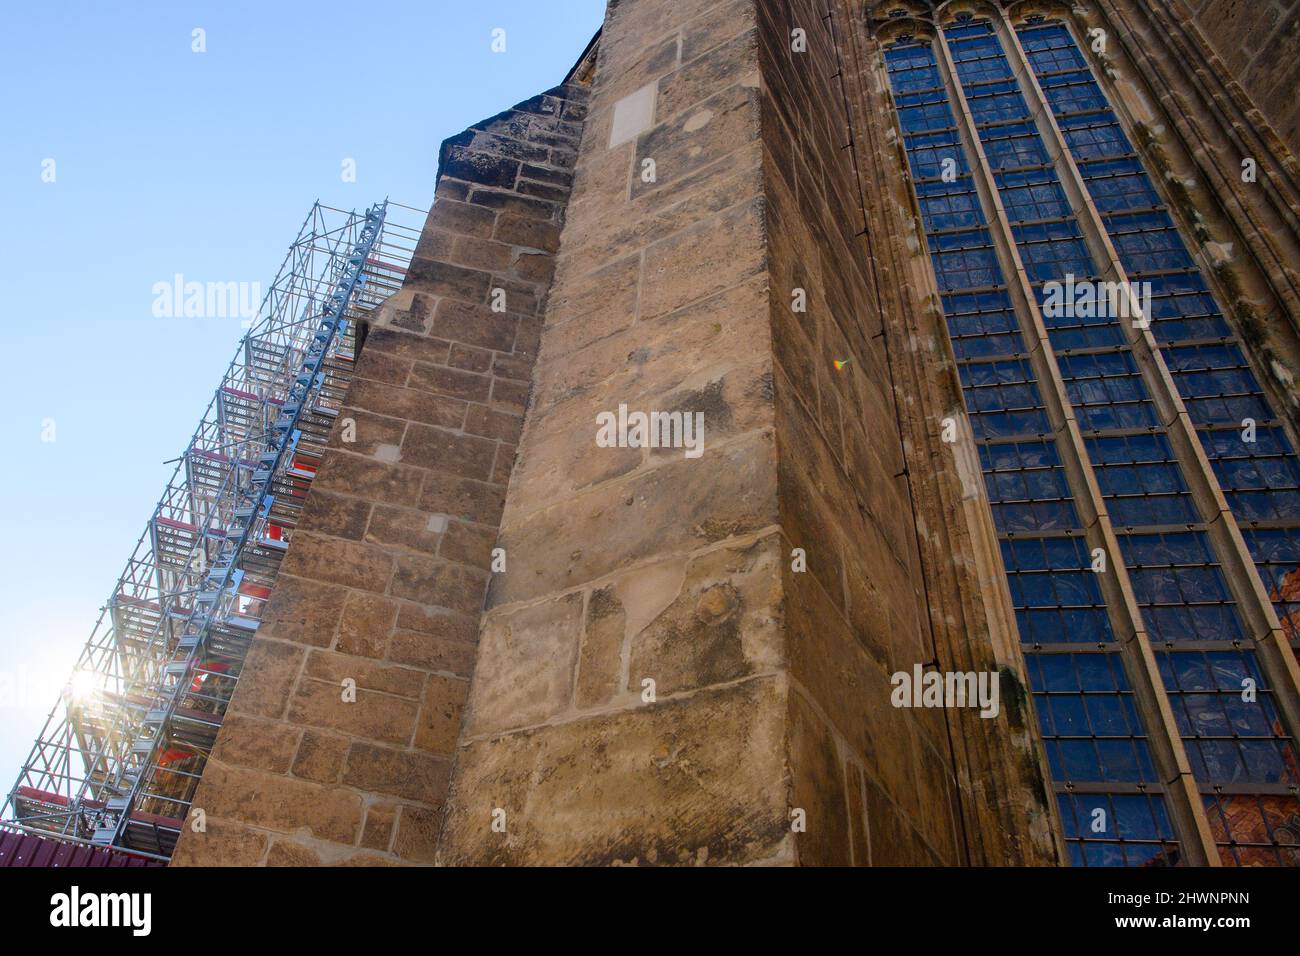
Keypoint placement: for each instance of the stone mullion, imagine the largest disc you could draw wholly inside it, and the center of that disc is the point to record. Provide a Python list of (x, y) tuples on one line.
[(1170, 756), (1258, 613)]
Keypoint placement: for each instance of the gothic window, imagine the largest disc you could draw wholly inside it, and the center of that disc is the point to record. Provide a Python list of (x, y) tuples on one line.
[(971, 103)]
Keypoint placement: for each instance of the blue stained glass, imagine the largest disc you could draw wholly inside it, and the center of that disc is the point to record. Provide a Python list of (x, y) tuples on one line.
[(1072, 95), (1215, 382), (1089, 139), (1089, 720)]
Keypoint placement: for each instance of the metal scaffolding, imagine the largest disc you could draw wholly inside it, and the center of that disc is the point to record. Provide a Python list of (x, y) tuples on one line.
[(122, 751)]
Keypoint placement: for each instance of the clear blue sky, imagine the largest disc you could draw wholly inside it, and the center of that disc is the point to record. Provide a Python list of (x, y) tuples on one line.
[(168, 161)]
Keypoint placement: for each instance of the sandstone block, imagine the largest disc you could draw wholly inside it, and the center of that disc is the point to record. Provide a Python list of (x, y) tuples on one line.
[(526, 661)]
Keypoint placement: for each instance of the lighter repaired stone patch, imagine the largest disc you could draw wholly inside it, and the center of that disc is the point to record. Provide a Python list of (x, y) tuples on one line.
[(633, 115), (698, 121)]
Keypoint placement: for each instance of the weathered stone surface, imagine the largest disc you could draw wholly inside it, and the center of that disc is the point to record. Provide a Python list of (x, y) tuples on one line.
[(893, 842), (731, 393), (503, 464), (336, 515), (684, 503), (364, 859), (456, 383), (469, 358), (320, 757), (525, 666), (510, 397), (480, 167), (694, 264), (465, 455), (222, 843), (857, 813), (439, 583), (605, 301), (303, 611), (695, 198), (462, 218), (436, 654), (288, 853), (481, 253), (695, 138), (530, 233), (936, 820), (417, 834), (1259, 43), (377, 366), (723, 622), (405, 527), (370, 432), (445, 279), (700, 78), (413, 404), (279, 803), (600, 657), (372, 715), (268, 675), (419, 348), (515, 203), (818, 789), (440, 713), (468, 544), (714, 23), (640, 786), (377, 832), (659, 355), (438, 622), (366, 478), (637, 558), (365, 624), (368, 674), (255, 743), (336, 561), (850, 688), (465, 498), (401, 773), (492, 423), (855, 612), (476, 325)]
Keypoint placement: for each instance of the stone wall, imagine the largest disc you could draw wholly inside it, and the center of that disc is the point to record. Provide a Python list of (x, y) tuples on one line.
[(877, 779), (769, 737), (1259, 43), (629, 565), (672, 658), (683, 659), (385, 577)]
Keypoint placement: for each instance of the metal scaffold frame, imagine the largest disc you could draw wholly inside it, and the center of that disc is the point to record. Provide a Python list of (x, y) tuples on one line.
[(122, 751)]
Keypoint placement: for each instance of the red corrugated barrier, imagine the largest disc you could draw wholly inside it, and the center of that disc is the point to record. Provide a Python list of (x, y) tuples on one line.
[(23, 849)]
